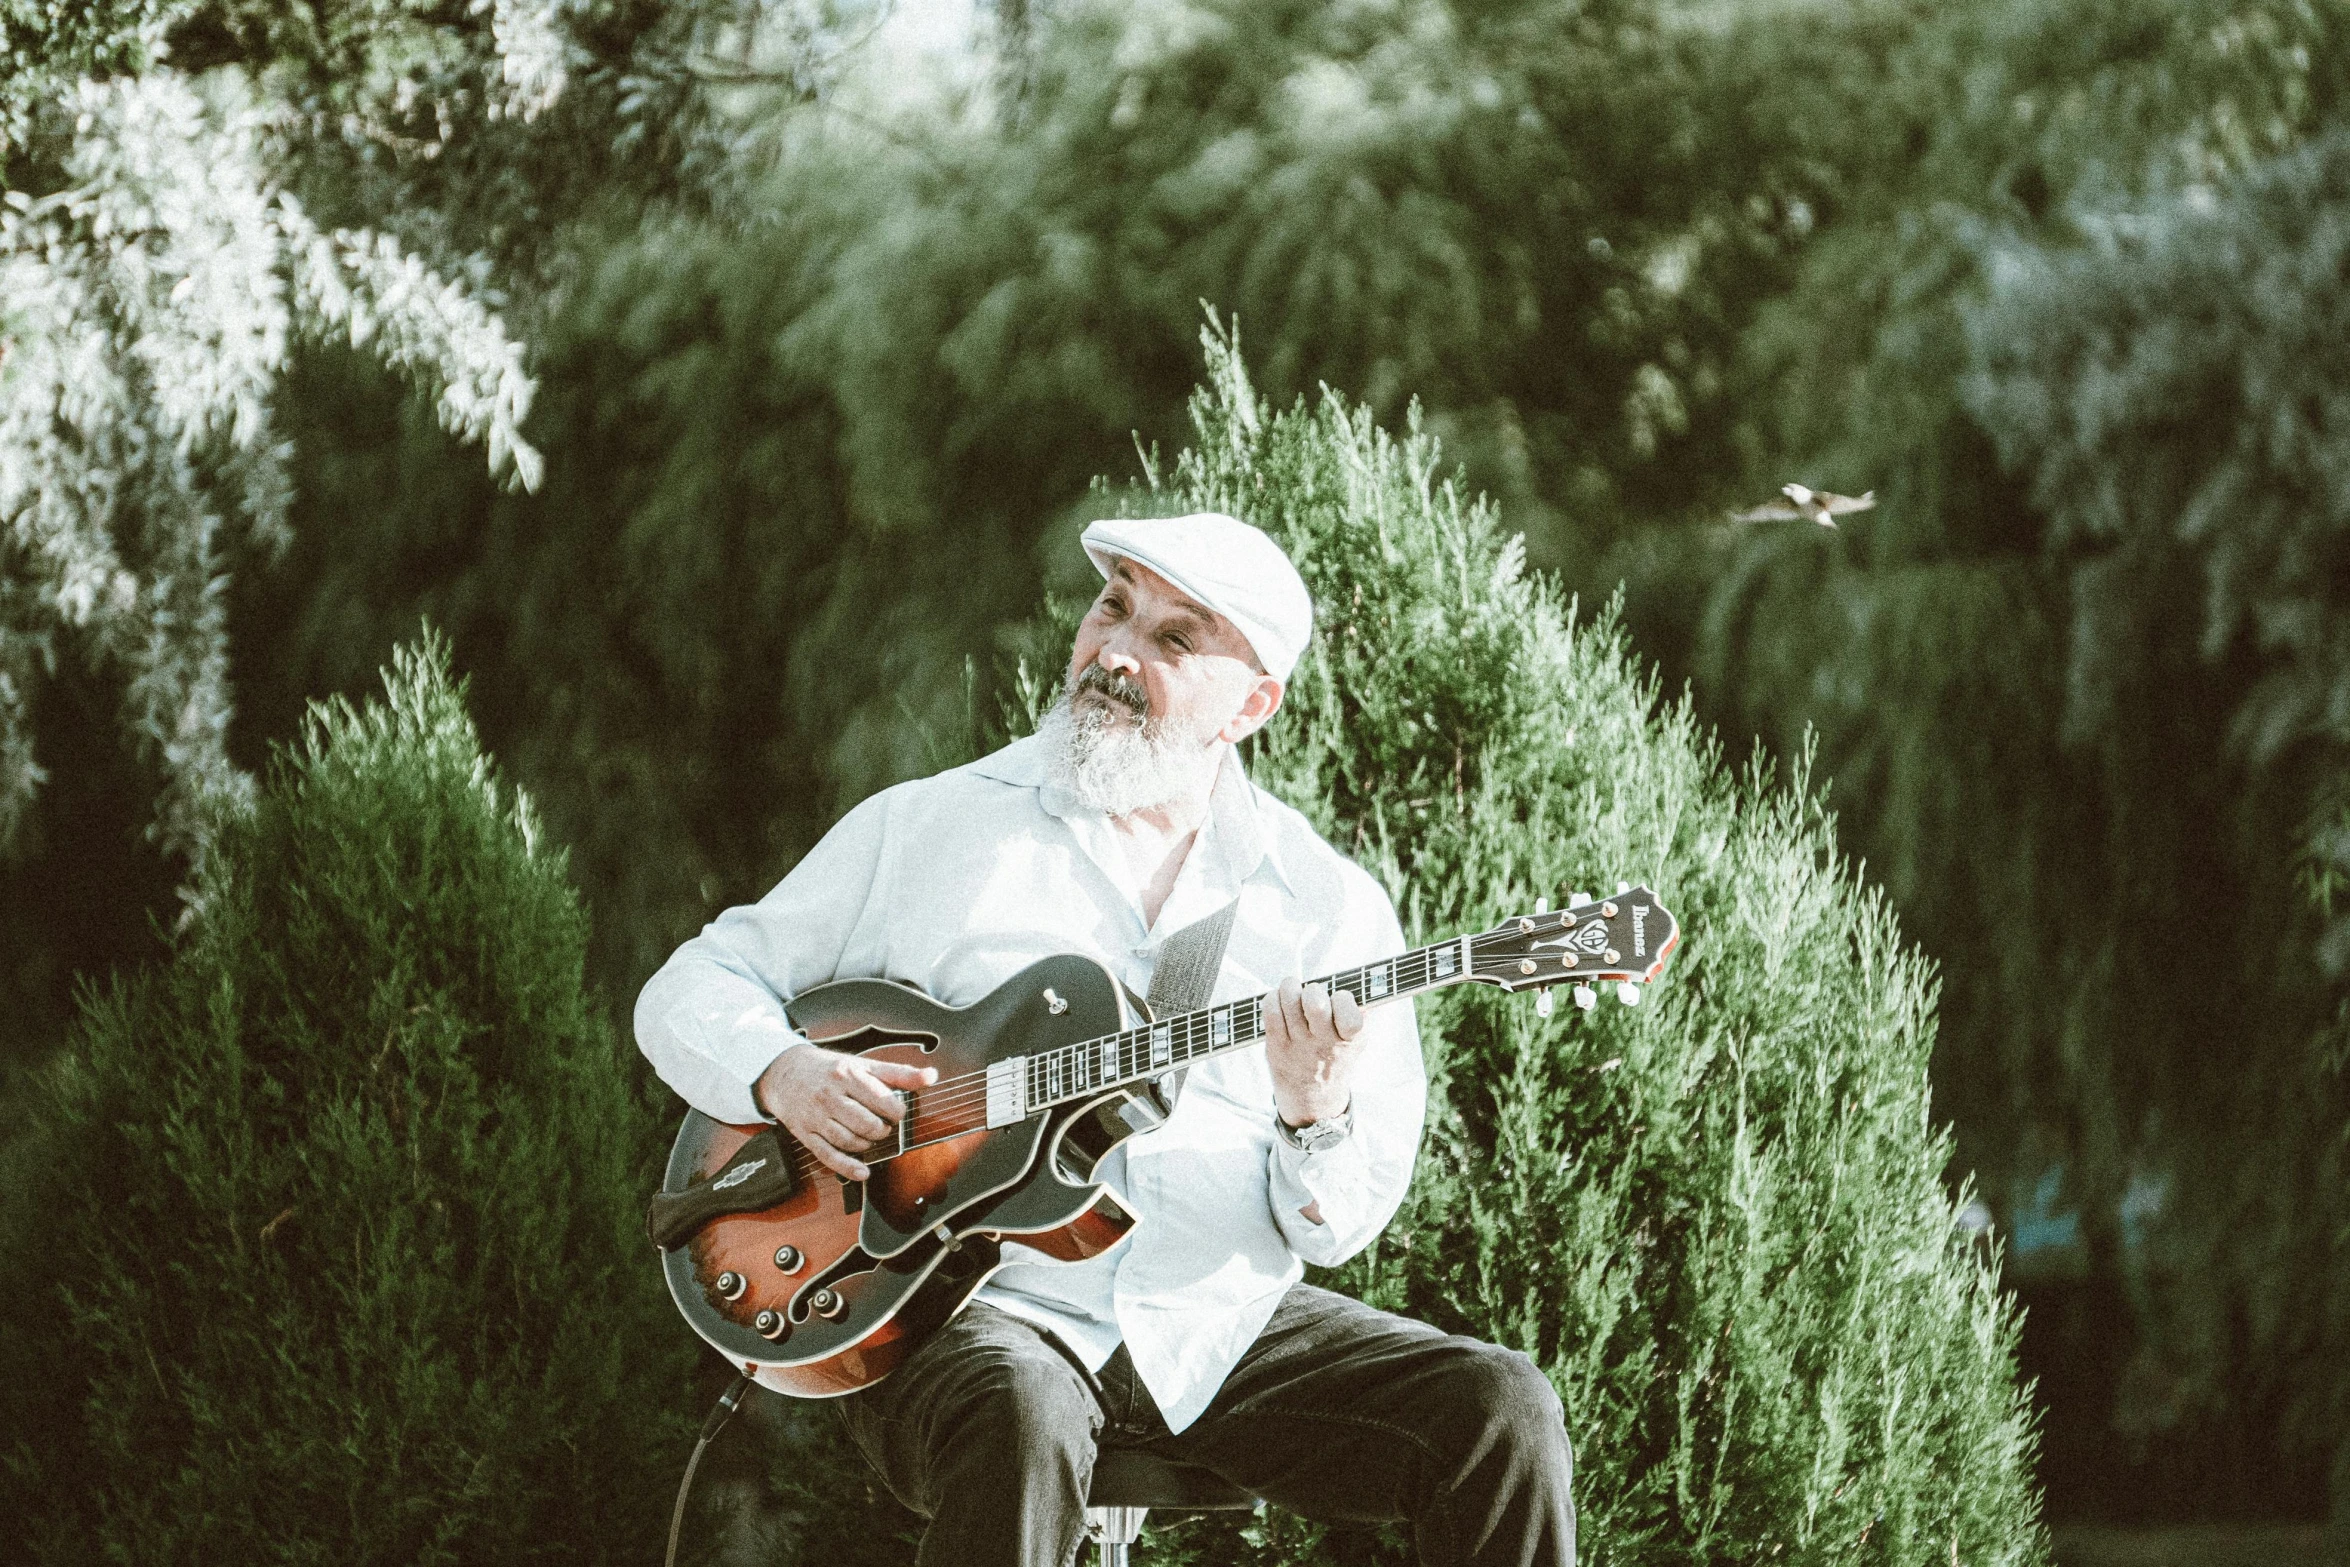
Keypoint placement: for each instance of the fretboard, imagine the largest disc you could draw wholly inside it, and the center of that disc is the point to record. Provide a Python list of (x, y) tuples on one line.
[(1025, 1084)]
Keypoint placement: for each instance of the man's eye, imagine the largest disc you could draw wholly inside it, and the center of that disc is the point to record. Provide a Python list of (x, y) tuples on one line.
[(1180, 643)]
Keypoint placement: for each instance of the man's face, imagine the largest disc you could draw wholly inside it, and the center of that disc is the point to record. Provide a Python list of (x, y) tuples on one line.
[(1190, 666)]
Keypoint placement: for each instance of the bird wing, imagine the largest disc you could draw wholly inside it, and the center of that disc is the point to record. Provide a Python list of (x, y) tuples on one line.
[(1772, 511), (1840, 504)]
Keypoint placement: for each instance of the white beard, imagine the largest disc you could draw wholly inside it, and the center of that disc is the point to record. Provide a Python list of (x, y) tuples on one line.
[(1116, 766)]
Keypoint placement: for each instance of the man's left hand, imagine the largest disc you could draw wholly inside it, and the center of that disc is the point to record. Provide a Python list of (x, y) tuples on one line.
[(1311, 1041)]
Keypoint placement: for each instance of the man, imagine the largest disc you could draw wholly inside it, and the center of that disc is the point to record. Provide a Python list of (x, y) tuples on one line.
[(1126, 821)]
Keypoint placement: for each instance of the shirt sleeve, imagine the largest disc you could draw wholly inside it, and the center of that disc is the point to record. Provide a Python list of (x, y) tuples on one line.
[(1358, 1185), (712, 1018)]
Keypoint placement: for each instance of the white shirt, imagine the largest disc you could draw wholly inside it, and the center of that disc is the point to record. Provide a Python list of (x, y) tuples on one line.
[(953, 884)]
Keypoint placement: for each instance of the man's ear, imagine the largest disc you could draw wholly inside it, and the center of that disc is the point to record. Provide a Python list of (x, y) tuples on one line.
[(1263, 701)]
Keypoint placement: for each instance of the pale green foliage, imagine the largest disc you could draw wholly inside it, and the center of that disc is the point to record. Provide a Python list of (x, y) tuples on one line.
[(150, 306), (375, 174), (48, 46)]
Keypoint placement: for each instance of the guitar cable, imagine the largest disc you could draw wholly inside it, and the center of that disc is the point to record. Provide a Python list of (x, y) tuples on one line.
[(728, 1402)]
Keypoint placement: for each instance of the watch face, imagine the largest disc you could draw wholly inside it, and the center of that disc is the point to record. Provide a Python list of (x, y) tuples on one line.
[(1320, 1135)]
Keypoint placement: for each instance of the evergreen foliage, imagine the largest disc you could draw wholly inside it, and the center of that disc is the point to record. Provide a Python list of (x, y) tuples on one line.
[(324, 1238), (1718, 1219)]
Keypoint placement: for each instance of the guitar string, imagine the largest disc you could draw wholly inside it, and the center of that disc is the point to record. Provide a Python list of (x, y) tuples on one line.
[(1186, 1032), (1193, 1034), (1072, 1071), (1413, 972), (968, 1088), (1076, 1064)]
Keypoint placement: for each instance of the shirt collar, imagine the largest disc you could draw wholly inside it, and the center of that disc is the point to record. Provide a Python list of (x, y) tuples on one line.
[(1241, 833)]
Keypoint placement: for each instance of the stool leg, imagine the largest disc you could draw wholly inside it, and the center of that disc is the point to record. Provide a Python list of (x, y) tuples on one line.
[(1112, 1530)]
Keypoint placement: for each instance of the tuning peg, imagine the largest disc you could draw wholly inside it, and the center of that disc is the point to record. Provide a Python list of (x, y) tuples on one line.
[(1543, 1004), (1628, 993), (1586, 998), (1623, 886), (1576, 900), (1542, 905)]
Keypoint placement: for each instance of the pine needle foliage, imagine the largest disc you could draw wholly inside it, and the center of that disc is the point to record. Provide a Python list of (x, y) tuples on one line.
[(329, 1227), (1716, 1220)]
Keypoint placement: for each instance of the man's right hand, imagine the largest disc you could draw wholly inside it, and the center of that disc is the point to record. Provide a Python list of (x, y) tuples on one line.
[(838, 1105)]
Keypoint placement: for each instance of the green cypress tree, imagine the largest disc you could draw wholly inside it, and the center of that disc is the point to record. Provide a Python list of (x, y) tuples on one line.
[(1716, 1220), (329, 1227)]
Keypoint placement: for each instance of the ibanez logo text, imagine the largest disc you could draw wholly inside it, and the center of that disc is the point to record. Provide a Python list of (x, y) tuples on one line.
[(1639, 930)]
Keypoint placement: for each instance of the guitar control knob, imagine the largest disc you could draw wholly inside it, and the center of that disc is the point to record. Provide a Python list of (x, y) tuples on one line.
[(828, 1305), (731, 1285), (769, 1324), (790, 1259)]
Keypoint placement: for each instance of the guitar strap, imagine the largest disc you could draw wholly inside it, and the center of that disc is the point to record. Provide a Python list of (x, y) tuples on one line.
[(1184, 979)]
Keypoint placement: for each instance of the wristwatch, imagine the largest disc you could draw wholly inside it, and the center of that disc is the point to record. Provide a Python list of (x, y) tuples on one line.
[(1315, 1136)]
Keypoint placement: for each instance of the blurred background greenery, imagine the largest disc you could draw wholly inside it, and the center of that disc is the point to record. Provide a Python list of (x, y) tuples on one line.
[(834, 311)]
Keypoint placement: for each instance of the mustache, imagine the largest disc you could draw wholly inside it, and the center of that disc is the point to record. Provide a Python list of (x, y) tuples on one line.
[(1122, 689)]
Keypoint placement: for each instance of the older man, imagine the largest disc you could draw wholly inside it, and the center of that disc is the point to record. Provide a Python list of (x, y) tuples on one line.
[(1126, 821)]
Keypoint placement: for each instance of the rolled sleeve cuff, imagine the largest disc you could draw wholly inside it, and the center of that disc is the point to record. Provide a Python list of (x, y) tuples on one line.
[(714, 1059), (745, 1046), (1334, 1182)]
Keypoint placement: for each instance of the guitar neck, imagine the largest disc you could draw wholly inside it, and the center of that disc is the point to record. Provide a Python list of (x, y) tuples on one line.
[(1024, 1084)]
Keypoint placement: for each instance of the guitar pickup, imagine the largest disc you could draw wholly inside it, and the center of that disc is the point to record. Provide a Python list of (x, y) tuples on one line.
[(1007, 1091), (758, 1176)]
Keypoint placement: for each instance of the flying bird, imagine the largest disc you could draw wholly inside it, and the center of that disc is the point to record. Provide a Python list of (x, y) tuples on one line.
[(1803, 503)]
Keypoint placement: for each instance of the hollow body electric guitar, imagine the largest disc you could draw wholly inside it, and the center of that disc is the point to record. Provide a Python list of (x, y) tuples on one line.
[(819, 1286)]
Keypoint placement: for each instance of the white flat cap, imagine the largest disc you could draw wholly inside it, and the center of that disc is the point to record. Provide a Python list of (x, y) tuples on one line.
[(1227, 565)]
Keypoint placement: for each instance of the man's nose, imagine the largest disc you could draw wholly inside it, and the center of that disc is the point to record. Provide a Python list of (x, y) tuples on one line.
[(1117, 658)]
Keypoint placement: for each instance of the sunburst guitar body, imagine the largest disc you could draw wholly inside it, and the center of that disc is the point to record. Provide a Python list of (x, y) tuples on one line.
[(827, 1289)]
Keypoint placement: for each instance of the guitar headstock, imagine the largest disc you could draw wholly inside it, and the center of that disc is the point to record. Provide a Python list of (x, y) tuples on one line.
[(1623, 937)]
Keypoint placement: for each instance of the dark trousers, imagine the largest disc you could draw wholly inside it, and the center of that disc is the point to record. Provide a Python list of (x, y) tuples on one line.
[(1338, 1412)]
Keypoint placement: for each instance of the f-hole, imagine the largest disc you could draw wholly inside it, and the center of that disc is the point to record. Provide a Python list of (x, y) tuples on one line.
[(859, 1040)]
